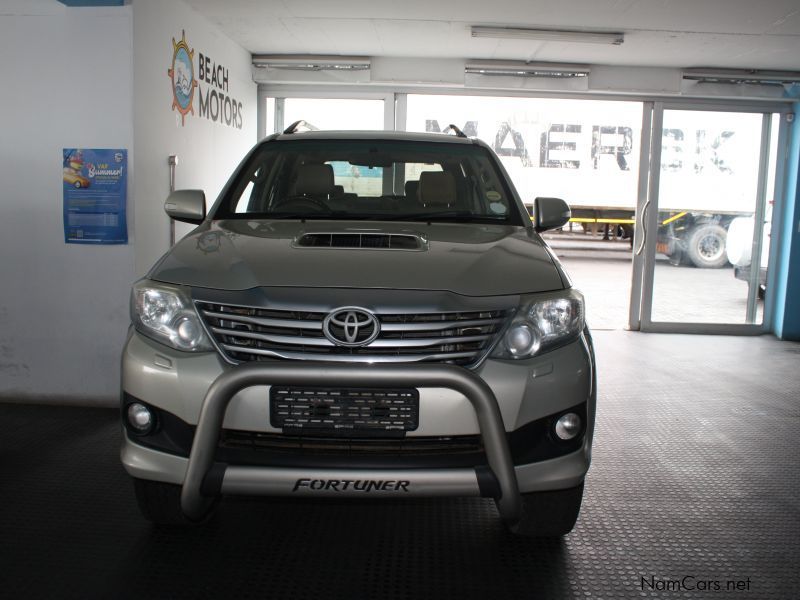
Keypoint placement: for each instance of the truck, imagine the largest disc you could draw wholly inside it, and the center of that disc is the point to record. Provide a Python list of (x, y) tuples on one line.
[(587, 152)]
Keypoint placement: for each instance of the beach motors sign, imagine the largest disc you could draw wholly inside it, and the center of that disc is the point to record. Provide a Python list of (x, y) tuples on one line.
[(211, 82)]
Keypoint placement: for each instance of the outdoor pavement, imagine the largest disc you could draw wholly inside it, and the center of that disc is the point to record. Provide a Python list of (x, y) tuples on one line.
[(602, 270)]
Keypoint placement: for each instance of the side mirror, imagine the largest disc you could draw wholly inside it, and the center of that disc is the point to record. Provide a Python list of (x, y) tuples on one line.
[(188, 206), (550, 213)]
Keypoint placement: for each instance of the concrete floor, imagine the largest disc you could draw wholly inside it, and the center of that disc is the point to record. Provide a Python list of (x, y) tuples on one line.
[(695, 482)]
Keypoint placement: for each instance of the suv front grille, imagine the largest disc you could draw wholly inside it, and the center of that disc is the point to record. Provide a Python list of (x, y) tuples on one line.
[(252, 440), (250, 334)]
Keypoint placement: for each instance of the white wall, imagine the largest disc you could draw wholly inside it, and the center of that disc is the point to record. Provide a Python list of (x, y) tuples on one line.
[(94, 78), (67, 82), (207, 151)]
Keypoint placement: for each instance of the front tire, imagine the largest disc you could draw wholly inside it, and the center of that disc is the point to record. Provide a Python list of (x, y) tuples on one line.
[(160, 503), (705, 246), (549, 514)]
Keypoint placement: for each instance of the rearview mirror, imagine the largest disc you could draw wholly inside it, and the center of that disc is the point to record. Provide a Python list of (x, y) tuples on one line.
[(188, 206), (550, 213)]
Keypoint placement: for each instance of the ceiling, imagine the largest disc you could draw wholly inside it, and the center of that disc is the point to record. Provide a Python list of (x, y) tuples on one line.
[(747, 34)]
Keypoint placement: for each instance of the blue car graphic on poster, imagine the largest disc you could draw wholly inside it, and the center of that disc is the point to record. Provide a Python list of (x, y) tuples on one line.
[(95, 183)]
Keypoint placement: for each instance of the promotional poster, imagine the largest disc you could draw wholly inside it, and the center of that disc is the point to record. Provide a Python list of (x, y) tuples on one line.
[(95, 193)]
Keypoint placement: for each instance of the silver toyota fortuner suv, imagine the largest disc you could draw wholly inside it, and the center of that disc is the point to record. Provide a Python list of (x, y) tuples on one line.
[(365, 315)]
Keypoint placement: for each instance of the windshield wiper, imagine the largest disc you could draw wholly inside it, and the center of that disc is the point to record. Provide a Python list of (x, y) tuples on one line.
[(446, 215), (334, 215), (306, 216)]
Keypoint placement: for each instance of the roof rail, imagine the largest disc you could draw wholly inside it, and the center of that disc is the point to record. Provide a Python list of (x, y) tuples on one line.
[(300, 125), (454, 129)]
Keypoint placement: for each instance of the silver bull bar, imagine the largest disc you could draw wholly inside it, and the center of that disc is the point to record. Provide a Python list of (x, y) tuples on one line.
[(282, 481)]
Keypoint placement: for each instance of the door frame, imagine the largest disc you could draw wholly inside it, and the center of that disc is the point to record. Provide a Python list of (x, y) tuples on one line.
[(646, 235)]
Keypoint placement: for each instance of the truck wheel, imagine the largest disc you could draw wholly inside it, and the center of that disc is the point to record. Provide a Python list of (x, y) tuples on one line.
[(705, 246), (160, 503), (549, 514)]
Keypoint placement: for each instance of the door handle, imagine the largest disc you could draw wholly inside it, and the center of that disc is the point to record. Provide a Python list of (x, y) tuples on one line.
[(644, 227)]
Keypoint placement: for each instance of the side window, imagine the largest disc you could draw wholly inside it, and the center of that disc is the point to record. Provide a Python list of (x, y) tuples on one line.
[(243, 199), (243, 203)]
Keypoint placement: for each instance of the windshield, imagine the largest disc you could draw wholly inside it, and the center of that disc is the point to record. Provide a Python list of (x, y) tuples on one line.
[(370, 179)]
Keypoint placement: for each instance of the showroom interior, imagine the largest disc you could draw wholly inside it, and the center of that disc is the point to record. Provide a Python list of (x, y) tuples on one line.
[(694, 479)]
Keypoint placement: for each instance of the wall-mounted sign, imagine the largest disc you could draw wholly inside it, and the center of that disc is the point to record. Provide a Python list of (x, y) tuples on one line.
[(211, 80), (95, 185)]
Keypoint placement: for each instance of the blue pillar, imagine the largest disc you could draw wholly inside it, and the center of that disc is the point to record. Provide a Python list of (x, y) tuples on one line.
[(786, 295)]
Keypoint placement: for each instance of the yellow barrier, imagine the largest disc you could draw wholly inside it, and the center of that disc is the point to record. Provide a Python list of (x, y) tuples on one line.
[(609, 221)]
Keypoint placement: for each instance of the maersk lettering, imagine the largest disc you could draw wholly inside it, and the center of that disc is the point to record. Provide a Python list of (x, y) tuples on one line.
[(357, 485), (470, 128), (599, 135), (563, 138)]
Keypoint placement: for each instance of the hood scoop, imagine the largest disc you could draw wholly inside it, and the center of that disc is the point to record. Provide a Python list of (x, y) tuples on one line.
[(368, 241)]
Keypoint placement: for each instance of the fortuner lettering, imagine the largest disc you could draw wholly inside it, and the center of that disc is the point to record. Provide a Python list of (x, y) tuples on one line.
[(360, 485)]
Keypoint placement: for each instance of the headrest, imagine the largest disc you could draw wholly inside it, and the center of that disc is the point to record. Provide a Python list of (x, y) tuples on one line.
[(314, 180), (437, 188), (412, 189)]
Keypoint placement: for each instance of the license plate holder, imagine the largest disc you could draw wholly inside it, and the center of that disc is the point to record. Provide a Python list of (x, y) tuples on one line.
[(344, 412)]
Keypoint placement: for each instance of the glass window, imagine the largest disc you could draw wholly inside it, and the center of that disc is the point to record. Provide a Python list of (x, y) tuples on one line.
[(371, 179), (334, 113), (579, 150), (357, 179)]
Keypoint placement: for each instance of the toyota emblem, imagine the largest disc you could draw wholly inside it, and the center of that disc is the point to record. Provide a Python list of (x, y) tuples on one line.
[(351, 326)]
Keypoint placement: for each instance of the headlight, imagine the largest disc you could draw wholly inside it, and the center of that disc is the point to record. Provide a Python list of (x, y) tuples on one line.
[(165, 313), (543, 322)]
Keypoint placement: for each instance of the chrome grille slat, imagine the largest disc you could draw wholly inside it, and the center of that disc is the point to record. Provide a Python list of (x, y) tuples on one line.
[(278, 339), (315, 325), (348, 357), (251, 333), (439, 325), (391, 343)]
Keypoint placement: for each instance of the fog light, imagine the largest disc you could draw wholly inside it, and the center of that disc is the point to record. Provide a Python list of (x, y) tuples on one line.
[(140, 418), (568, 426)]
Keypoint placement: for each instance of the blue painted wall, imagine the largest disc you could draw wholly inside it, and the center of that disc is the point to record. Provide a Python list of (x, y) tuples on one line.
[(787, 289)]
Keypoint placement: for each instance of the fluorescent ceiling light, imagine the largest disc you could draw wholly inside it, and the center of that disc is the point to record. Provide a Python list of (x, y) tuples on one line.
[(742, 76), (548, 35), (311, 63), (526, 69)]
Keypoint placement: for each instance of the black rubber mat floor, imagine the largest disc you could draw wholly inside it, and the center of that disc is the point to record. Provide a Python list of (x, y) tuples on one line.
[(694, 486)]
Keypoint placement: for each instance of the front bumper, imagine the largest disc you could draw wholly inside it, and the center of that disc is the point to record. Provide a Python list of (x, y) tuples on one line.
[(235, 399), (554, 474), (267, 480)]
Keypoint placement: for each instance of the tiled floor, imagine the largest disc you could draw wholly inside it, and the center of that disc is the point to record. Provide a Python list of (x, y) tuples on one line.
[(695, 482)]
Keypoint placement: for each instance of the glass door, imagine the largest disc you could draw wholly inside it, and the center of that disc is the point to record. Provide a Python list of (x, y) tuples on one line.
[(705, 221)]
